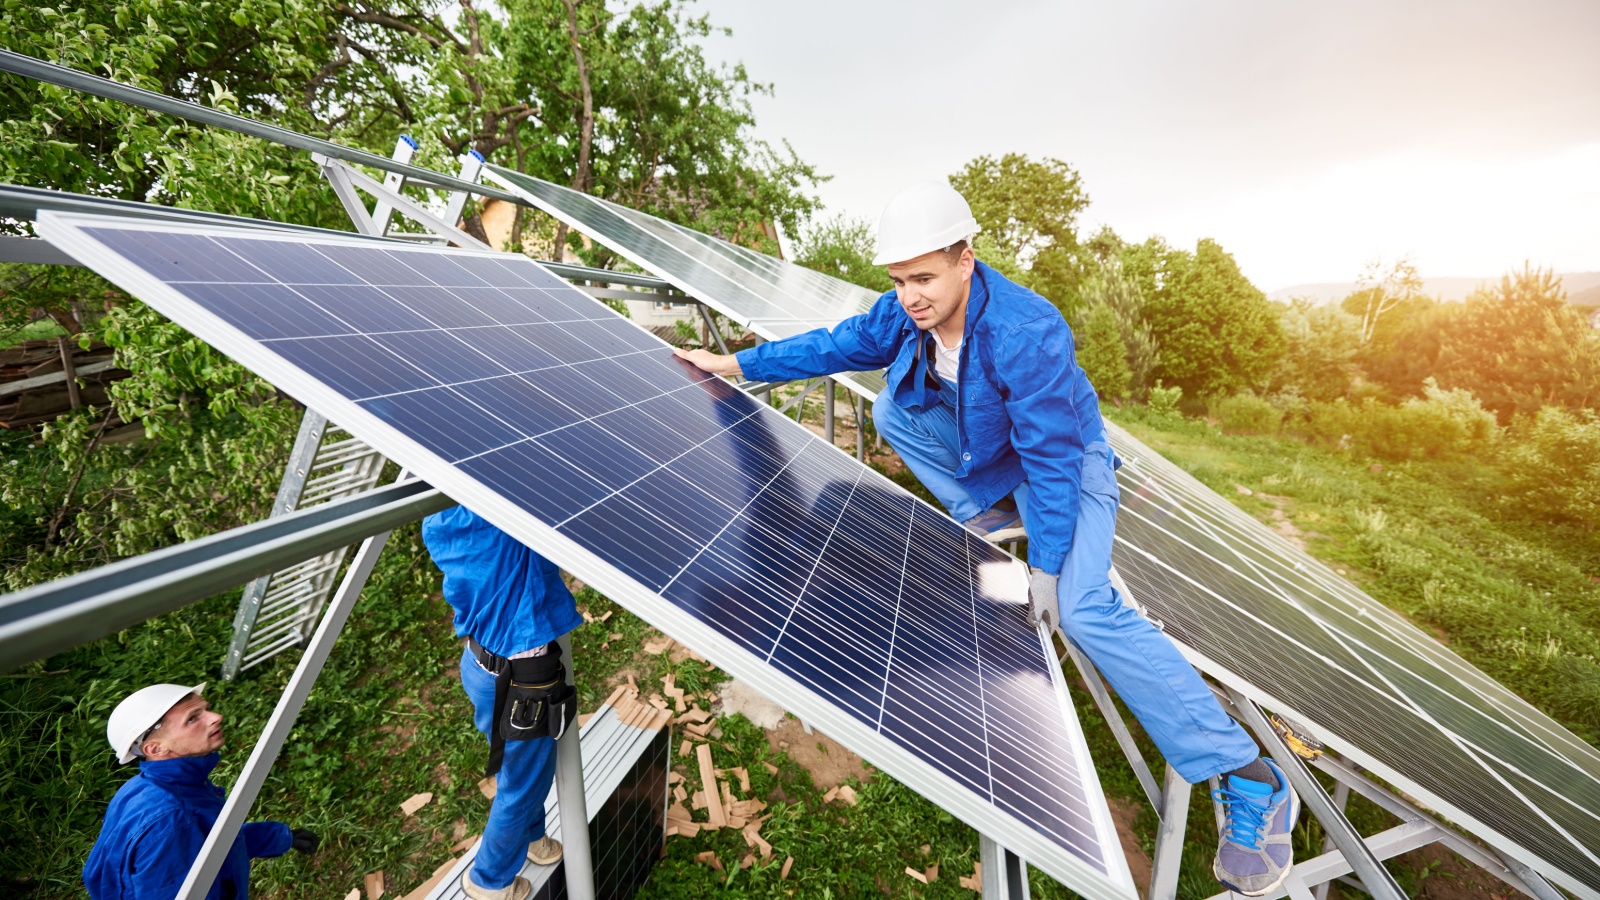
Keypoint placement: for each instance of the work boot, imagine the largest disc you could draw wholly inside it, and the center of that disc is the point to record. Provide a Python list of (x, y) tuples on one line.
[(1255, 854), (998, 524), (519, 889), (545, 851)]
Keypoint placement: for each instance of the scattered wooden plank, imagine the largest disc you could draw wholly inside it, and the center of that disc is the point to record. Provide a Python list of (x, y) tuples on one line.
[(605, 617), (487, 787), (975, 883), (355, 894), (709, 783), (374, 884), (658, 646), (701, 730), (771, 769), (686, 748), (698, 801), (783, 874), (688, 829), (416, 802), (847, 794), (422, 890), (465, 844), (752, 836), (748, 861), (692, 716), (932, 872), (744, 777), (917, 875), (709, 858)]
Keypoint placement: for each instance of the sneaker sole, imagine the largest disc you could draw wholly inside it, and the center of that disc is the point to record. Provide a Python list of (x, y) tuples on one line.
[(1003, 535), (1294, 816)]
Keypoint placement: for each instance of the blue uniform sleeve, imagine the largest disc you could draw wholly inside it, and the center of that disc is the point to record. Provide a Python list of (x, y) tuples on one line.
[(160, 859), (1046, 432), (859, 343), (266, 839)]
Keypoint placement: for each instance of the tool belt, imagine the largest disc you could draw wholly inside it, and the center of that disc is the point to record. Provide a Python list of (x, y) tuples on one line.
[(531, 699)]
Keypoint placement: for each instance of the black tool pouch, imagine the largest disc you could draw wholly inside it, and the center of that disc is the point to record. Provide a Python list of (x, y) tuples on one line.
[(539, 702)]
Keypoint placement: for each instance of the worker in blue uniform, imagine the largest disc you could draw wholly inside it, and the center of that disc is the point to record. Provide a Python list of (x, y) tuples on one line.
[(510, 605), (159, 819), (987, 406)]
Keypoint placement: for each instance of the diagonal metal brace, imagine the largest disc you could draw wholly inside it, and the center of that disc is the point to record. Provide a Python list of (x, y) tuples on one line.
[(344, 176)]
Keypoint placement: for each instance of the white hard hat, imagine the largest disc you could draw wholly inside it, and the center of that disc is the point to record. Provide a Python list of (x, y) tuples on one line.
[(926, 216), (139, 713)]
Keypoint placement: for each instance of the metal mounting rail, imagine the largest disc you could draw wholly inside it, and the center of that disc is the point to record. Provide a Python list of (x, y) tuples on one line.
[(50, 73), (61, 614)]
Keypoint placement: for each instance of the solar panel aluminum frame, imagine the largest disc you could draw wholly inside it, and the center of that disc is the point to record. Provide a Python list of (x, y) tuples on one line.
[(1231, 679), (865, 384), (65, 230)]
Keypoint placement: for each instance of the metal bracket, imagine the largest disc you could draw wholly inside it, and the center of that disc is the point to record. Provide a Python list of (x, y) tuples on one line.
[(346, 179)]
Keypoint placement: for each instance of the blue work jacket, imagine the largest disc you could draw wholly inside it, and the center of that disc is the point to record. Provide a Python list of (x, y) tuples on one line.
[(1027, 412), (154, 829), (506, 597)]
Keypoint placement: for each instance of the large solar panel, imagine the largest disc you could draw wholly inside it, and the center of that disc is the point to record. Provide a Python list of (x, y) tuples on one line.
[(711, 515), (773, 298), (1262, 616)]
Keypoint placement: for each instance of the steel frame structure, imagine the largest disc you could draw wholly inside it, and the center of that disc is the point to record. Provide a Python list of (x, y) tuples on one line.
[(55, 616)]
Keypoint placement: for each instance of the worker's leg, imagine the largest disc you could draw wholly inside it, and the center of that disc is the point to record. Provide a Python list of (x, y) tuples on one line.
[(927, 441), (1164, 692), (516, 817)]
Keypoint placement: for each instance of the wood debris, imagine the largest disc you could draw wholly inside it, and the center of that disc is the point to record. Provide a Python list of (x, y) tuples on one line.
[(708, 782), (658, 646), (975, 883), (605, 617), (783, 874), (748, 861), (695, 655), (374, 884), (673, 778), (701, 730), (615, 635), (692, 716), (932, 872), (744, 777), (487, 787), (699, 800), (917, 875), (709, 857), (771, 769), (679, 794), (355, 894), (422, 890), (752, 836), (416, 802), (847, 794), (466, 843), (656, 701)]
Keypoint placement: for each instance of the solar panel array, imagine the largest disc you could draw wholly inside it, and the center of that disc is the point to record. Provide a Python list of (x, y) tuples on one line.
[(706, 512), (773, 298), (1264, 617)]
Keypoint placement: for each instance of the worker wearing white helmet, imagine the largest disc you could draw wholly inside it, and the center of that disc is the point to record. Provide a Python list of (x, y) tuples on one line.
[(157, 822), (986, 404)]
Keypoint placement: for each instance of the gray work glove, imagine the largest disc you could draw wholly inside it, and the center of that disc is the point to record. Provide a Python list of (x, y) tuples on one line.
[(1043, 603)]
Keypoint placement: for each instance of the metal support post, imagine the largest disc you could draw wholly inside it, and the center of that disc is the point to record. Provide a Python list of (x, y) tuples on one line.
[(254, 774), (711, 326), (1169, 839), (1003, 874), (577, 858), (861, 428), (471, 165), (346, 179), (404, 148), (1379, 883), (1119, 728), (1341, 800), (1534, 883), (827, 410)]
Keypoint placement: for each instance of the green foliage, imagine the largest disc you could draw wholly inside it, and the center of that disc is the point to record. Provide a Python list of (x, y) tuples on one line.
[(1439, 424), (1217, 332), (843, 247), (1112, 288), (1320, 344), (1245, 413), (1552, 461), (1101, 354), (1029, 209), (1164, 401)]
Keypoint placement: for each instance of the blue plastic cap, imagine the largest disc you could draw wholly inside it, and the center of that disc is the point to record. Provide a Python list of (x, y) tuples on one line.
[(477, 156), (410, 141)]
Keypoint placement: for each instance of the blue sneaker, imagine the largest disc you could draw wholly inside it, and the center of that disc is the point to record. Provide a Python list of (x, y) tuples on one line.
[(1255, 853), (997, 525)]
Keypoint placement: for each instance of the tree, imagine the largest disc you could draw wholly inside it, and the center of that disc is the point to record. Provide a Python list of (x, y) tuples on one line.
[(1029, 209), (1320, 344), (1217, 331), (1101, 353), (1380, 290), (843, 247), (1112, 288)]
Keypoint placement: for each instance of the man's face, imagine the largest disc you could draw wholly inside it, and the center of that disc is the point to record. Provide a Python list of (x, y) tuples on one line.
[(190, 728), (932, 289)]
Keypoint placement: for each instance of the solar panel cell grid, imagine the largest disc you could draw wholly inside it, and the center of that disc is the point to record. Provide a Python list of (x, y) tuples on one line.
[(701, 508)]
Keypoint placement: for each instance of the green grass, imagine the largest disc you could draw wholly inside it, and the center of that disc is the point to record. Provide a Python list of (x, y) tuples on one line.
[(388, 718)]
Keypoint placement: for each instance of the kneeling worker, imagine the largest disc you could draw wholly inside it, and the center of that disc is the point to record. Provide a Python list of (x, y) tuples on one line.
[(160, 818), (986, 404), (510, 605)]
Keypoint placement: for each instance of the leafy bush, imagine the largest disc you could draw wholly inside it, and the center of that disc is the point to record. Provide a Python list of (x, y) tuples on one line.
[(1442, 423), (1245, 413), (1552, 461), (1101, 353), (1164, 400)]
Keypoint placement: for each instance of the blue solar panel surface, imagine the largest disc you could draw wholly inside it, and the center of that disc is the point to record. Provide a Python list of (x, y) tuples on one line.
[(492, 378), (774, 298), (1392, 697)]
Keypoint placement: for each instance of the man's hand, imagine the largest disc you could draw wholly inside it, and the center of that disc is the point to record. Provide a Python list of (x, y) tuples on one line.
[(304, 841), (1043, 603), (715, 363)]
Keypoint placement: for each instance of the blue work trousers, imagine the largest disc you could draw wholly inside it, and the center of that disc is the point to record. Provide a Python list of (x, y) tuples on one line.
[(516, 817), (1164, 692)]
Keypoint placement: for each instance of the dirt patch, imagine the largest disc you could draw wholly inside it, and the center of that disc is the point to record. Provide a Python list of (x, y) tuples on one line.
[(1123, 814), (1452, 878), (825, 758), (738, 697), (1280, 522)]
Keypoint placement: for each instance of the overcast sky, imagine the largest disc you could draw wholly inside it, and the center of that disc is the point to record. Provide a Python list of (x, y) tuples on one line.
[(1306, 137)]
